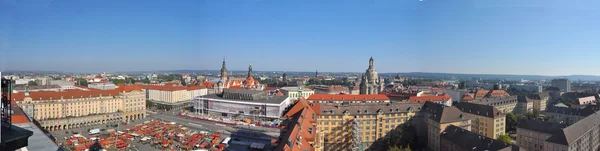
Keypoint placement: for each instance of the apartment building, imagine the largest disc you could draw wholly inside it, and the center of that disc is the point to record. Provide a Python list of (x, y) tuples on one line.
[(438, 118), (505, 104), (454, 138), (299, 132), (570, 115), (532, 134), (540, 101), (358, 126), (78, 108), (486, 120), (524, 105), (583, 135)]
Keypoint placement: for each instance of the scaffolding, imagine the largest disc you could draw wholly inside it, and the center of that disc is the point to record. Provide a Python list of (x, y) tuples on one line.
[(357, 144)]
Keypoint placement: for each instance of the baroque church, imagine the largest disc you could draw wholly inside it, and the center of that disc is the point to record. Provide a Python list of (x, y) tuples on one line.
[(371, 83), (249, 83)]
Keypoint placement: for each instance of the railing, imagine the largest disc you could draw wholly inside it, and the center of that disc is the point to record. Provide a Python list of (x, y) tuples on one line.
[(6, 98)]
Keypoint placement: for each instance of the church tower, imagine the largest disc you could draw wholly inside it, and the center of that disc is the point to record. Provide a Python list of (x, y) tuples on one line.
[(371, 82), (223, 71), (250, 70)]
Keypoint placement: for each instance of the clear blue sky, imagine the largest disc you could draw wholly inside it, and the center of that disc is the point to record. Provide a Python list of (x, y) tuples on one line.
[(540, 37)]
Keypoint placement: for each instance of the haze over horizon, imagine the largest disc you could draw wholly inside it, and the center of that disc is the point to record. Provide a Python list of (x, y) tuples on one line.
[(533, 37)]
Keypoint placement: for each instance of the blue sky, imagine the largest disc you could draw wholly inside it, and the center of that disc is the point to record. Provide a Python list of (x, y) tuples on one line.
[(540, 37)]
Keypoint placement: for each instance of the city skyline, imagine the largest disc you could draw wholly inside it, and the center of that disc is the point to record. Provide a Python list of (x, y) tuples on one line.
[(551, 38)]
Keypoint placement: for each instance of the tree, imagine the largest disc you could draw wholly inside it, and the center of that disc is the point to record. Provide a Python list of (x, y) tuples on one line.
[(82, 82), (403, 135), (396, 148), (146, 81), (505, 139), (511, 121), (118, 81), (461, 85), (32, 83)]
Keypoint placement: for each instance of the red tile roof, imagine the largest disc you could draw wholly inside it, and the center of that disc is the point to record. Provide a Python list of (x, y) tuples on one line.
[(348, 97), (18, 115), (302, 114), (47, 95), (444, 97)]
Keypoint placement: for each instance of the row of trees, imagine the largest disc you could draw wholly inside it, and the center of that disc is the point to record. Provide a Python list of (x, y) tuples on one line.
[(513, 120)]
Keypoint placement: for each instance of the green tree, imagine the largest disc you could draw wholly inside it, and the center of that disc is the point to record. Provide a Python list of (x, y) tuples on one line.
[(146, 81), (461, 85), (505, 139), (32, 83), (118, 81), (403, 135), (511, 122), (81, 81)]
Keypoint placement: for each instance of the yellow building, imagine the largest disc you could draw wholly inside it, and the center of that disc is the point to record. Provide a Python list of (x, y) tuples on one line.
[(438, 118), (486, 120), (344, 127), (78, 108)]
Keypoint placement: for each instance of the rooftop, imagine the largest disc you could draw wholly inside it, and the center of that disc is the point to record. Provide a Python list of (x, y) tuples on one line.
[(273, 99), (542, 126), (368, 109), (444, 97), (443, 114), (471, 141), (50, 95), (478, 109), (572, 133)]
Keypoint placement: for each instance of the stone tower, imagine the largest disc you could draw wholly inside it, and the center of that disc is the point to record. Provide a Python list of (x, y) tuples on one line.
[(223, 71), (250, 70), (371, 83)]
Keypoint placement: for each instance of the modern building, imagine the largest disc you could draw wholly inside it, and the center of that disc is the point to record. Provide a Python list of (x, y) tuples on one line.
[(79, 108), (297, 92), (438, 118), (454, 138), (345, 99), (358, 126), (486, 120), (563, 84), (532, 134), (443, 99), (299, 131), (371, 83), (242, 103), (583, 135), (506, 104), (170, 96)]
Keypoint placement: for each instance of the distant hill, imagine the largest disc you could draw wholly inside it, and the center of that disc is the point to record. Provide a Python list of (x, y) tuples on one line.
[(495, 76)]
